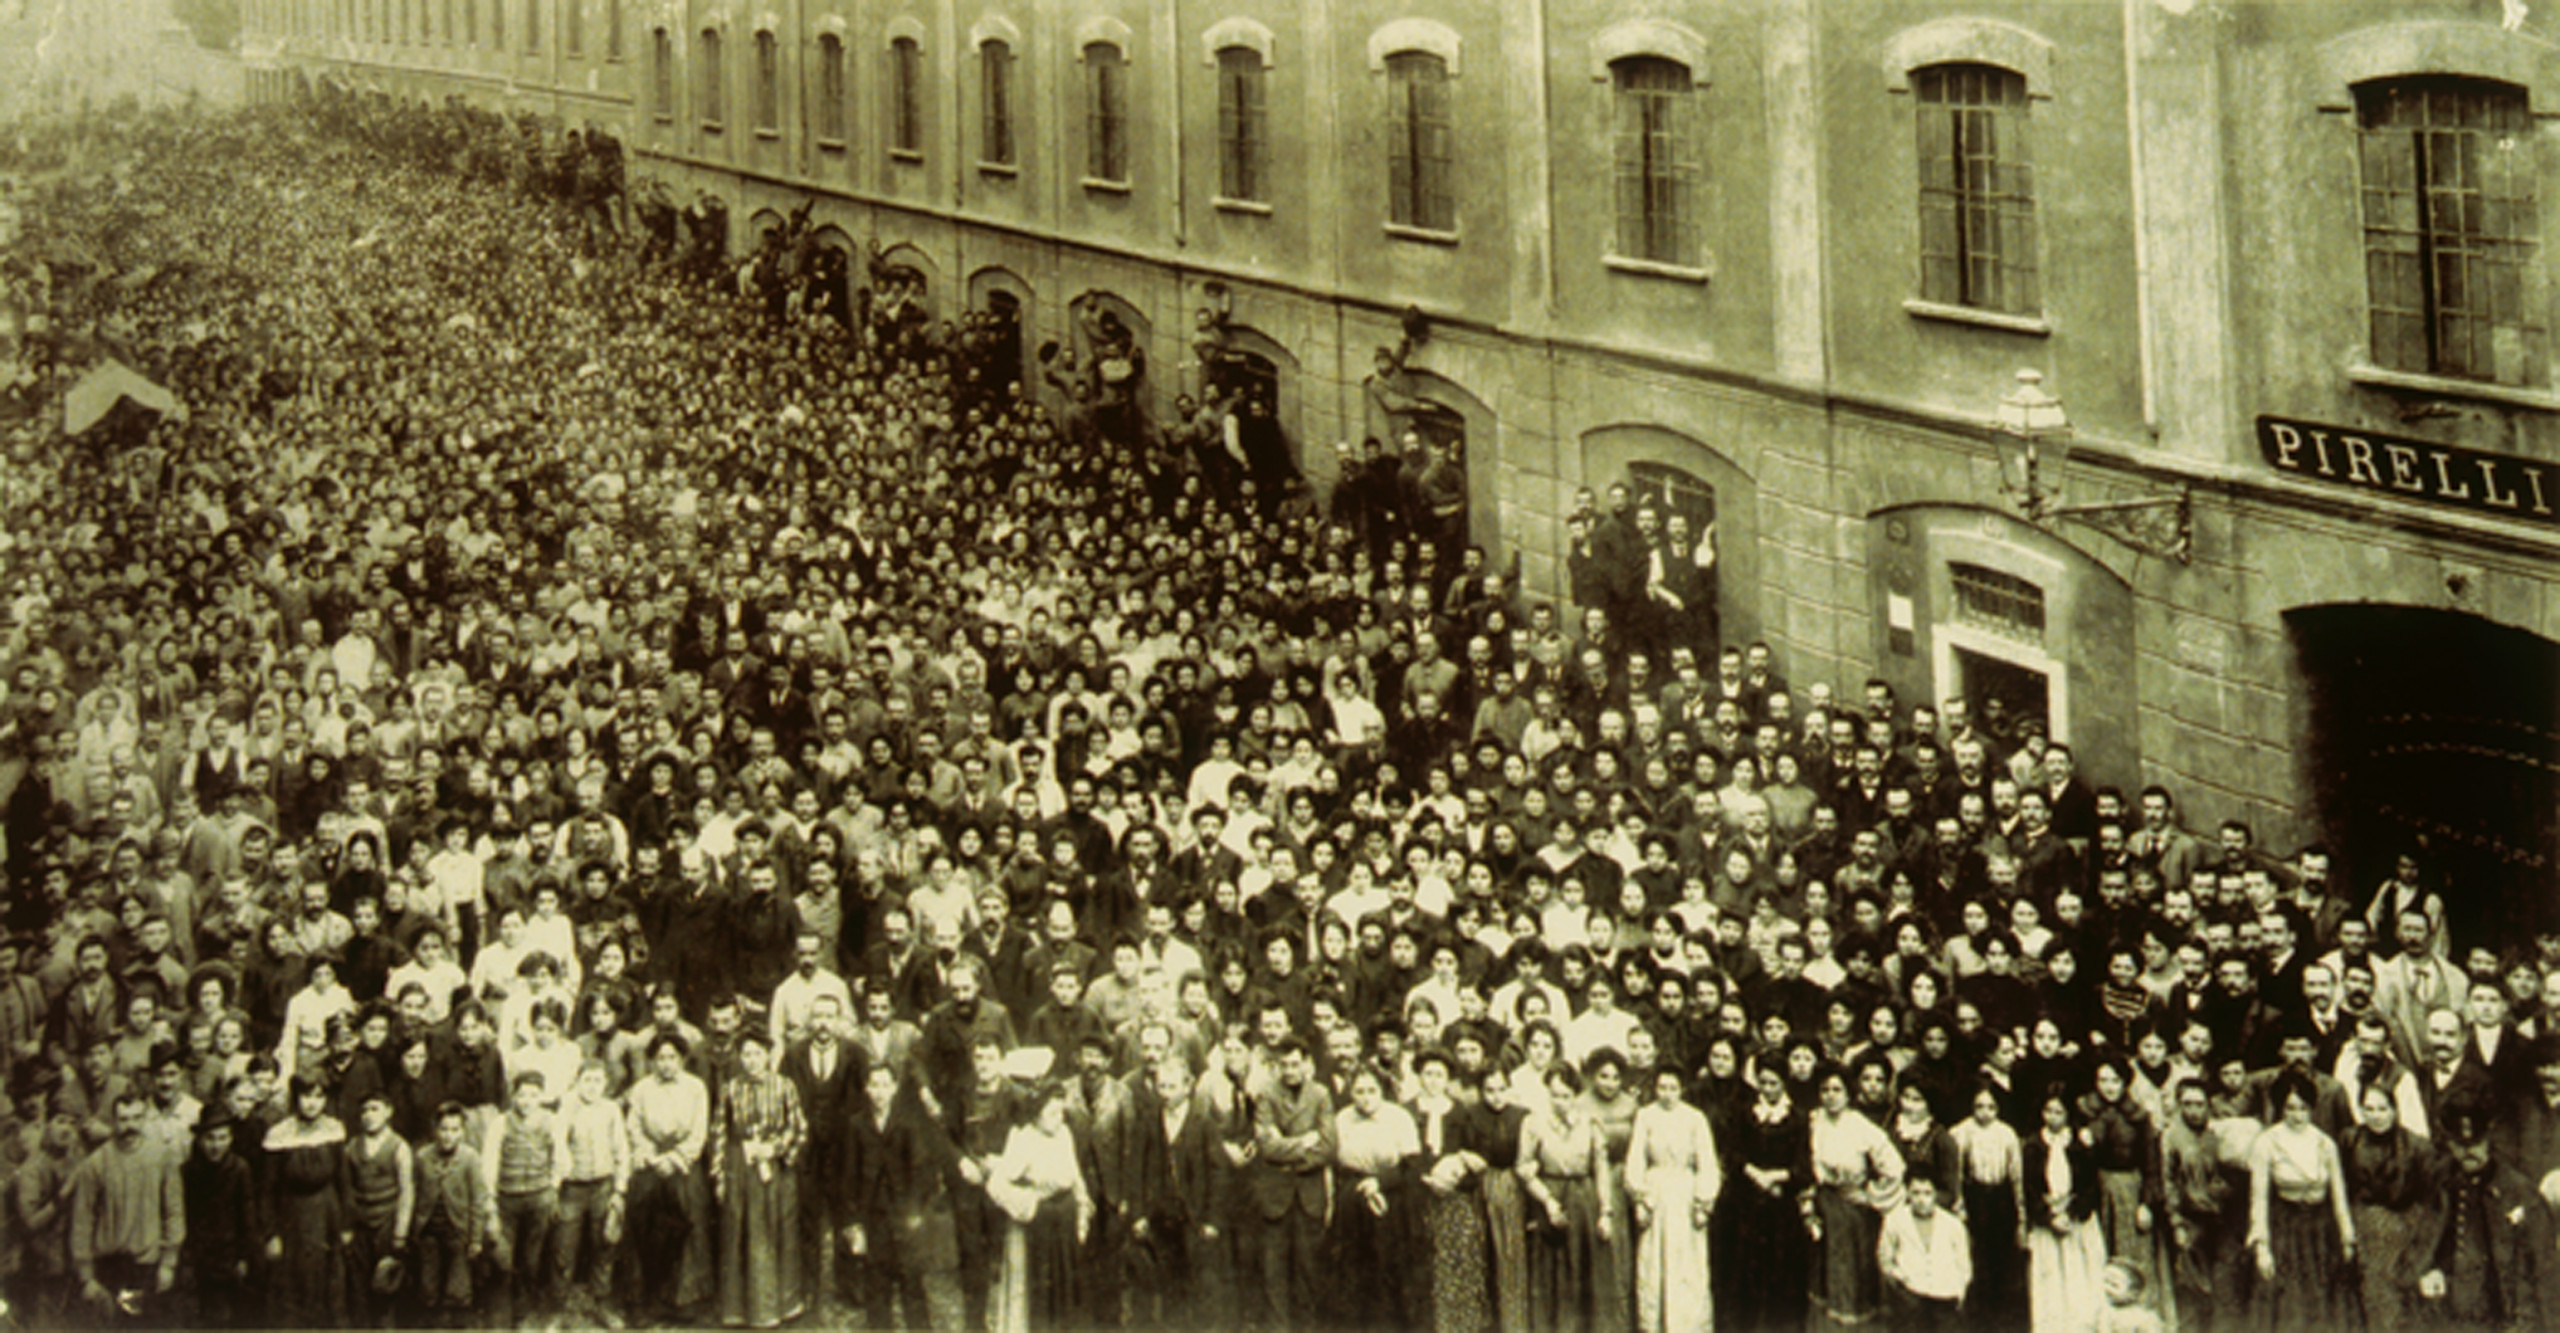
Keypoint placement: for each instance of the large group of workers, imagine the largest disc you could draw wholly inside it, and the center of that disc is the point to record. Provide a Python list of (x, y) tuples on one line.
[(582, 783)]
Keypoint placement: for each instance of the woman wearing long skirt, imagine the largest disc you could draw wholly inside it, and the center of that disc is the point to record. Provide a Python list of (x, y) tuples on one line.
[(1992, 1168), (1611, 1109), (2066, 1248), (1673, 1175), (310, 1212), (1039, 1185), (2395, 1193), (2301, 1231), (1562, 1172), (756, 1141), (1760, 1263), (1857, 1178), (1506, 1209), (1375, 1150), (1456, 1135), (668, 1212), (2124, 1149)]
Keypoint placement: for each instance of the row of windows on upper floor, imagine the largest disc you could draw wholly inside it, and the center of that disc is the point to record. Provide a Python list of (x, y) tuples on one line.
[(2450, 222)]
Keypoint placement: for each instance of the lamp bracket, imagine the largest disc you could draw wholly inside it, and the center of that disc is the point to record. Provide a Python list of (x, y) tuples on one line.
[(2161, 525)]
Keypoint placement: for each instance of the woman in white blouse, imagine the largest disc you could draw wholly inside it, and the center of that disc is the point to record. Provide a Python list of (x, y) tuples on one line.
[(1857, 1178), (1039, 1185), (1377, 1152), (1674, 1176)]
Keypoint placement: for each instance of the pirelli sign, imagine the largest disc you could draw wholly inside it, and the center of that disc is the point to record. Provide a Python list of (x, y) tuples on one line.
[(2439, 474)]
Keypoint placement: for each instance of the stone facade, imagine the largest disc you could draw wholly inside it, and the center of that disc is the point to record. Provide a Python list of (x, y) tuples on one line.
[(2197, 242)]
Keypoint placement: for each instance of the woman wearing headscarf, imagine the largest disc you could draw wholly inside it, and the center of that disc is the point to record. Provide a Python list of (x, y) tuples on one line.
[(2124, 1149), (2395, 1193)]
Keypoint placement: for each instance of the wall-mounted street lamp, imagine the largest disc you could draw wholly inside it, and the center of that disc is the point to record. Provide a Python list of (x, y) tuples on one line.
[(2032, 434)]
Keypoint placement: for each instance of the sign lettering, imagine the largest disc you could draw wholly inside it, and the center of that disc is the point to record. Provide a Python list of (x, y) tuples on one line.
[(2439, 474)]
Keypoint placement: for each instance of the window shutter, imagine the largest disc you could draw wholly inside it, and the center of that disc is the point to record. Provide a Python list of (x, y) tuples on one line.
[(1438, 209), (1633, 230), (1402, 91)]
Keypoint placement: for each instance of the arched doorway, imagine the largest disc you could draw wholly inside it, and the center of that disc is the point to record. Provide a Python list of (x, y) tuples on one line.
[(2436, 733), (900, 297), (1678, 474), (1005, 299), (832, 275), (1687, 506), (1446, 418)]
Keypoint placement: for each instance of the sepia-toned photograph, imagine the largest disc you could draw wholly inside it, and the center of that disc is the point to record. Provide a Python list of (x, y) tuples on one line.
[(1280, 666)]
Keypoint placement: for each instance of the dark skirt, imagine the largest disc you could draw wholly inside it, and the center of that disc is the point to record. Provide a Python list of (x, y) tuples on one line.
[(1848, 1287), (1614, 1273), (1563, 1260), (1759, 1254), (308, 1285), (1997, 1302), (1053, 1264), (668, 1222), (759, 1246), (1374, 1282), (2303, 1297), (2389, 1261)]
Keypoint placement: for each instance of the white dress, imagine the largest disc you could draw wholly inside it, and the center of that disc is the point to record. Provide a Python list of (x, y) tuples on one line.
[(1672, 1164)]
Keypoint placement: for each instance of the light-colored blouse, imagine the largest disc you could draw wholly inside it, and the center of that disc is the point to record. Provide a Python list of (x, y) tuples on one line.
[(1852, 1155), (1369, 1144)]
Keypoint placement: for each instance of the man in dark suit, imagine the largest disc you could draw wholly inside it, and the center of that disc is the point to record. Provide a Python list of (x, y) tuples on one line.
[(1293, 1139), (1181, 1182), (829, 1072)]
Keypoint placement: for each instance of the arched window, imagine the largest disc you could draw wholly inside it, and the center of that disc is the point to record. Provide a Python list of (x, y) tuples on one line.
[(768, 83), (1106, 119), (2452, 235), (707, 52), (1657, 151), (1977, 189), (613, 30), (573, 24), (1240, 131), (995, 94), (831, 89), (532, 26), (1418, 143), (906, 97)]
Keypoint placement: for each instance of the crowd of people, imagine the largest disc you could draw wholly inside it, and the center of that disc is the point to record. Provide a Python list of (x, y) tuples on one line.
[(568, 789)]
